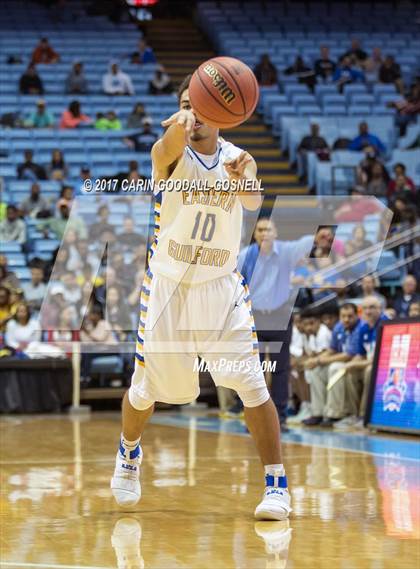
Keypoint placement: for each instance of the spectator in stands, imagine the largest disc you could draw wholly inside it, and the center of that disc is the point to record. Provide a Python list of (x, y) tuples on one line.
[(161, 83), (124, 272), (366, 139), (12, 228), (84, 174), (129, 239), (357, 207), (313, 142), (144, 54), (345, 74), (75, 261), (135, 118), (41, 118), (44, 53), (36, 290), (407, 108), (330, 315), (95, 328), (265, 71), (390, 73), (117, 312), (7, 277), (65, 331), (373, 64), (326, 242), (358, 240), (414, 310), (299, 387), (57, 168), (116, 82), (97, 228), (30, 82), (76, 82), (366, 166), (7, 310), (28, 170), (34, 205), (58, 263), (73, 116), (369, 288), (329, 405), (58, 225), (72, 292), (66, 197), (401, 184), (407, 296), (303, 72), (52, 309), (378, 183), (404, 215), (341, 143), (133, 297), (110, 121), (324, 66), (356, 54), (323, 284), (21, 329), (358, 371), (144, 140), (133, 174)]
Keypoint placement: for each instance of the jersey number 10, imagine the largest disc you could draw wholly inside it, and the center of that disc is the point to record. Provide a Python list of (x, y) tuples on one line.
[(208, 228)]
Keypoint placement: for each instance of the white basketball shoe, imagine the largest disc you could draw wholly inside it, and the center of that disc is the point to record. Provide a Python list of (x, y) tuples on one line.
[(275, 504), (125, 484), (125, 540)]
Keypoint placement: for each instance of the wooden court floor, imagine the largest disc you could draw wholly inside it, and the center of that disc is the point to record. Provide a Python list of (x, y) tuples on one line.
[(351, 510)]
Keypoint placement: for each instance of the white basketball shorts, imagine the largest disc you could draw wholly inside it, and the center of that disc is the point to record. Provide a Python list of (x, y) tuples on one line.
[(179, 322)]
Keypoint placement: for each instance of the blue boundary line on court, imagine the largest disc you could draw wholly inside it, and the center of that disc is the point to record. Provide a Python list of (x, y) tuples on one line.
[(375, 445)]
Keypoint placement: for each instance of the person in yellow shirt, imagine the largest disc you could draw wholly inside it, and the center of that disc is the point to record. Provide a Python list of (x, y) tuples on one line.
[(7, 309)]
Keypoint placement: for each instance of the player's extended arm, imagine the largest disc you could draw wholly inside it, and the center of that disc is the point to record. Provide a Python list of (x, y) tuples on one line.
[(170, 147), (244, 168)]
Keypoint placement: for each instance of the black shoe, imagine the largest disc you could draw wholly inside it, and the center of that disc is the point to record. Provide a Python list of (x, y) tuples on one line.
[(328, 422), (312, 421)]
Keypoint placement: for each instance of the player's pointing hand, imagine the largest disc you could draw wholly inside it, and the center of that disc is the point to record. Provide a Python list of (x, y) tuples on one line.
[(236, 168), (184, 118)]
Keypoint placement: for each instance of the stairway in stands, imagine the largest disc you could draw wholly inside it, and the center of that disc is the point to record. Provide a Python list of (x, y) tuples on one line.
[(180, 46)]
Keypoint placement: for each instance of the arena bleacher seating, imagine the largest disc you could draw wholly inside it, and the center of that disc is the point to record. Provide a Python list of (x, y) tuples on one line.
[(283, 31)]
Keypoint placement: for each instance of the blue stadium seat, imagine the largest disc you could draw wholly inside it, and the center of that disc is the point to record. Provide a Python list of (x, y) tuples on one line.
[(359, 110), (15, 259), (10, 247), (22, 273), (46, 245)]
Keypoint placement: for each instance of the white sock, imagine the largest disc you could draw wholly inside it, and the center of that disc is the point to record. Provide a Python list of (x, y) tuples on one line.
[(128, 446), (274, 470)]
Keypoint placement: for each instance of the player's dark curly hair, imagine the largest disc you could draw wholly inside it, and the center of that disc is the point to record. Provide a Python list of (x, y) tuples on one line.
[(184, 85)]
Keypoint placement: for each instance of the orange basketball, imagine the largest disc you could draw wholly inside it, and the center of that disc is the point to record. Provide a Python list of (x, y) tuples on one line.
[(223, 92)]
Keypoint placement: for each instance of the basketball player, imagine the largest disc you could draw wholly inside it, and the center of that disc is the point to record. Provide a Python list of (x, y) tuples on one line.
[(192, 284)]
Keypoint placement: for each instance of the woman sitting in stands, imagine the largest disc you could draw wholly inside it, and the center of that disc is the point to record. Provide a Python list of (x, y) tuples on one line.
[(57, 169), (22, 329), (73, 117)]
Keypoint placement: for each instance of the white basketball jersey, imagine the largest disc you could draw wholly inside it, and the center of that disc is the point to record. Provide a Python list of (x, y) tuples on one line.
[(197, 233)]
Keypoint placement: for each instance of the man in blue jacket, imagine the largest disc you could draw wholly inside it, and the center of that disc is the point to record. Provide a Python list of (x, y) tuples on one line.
[(359, 369), (330, 405), (365, 139)]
